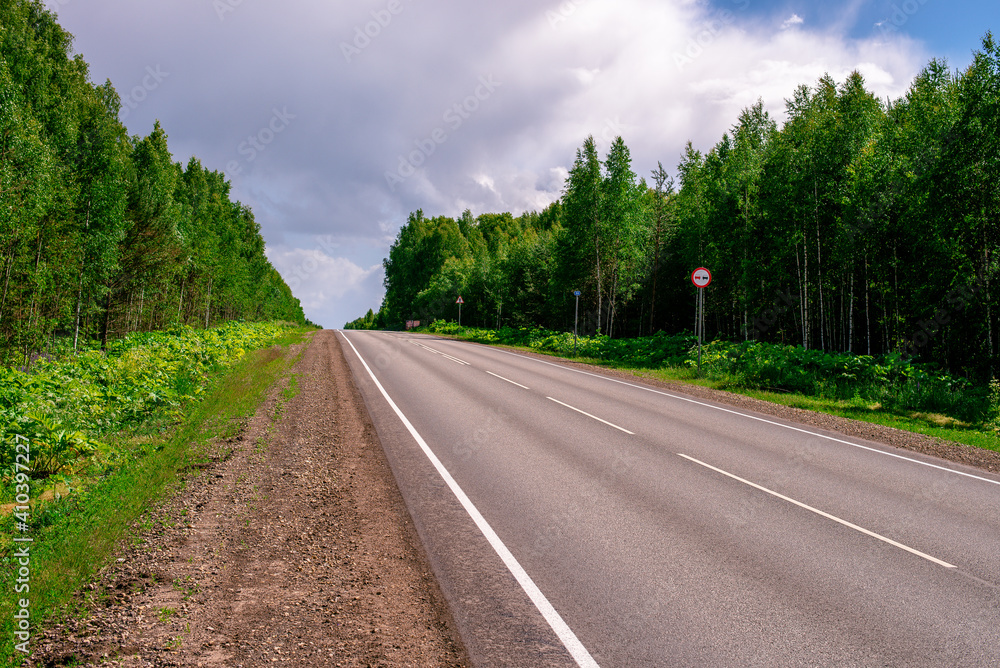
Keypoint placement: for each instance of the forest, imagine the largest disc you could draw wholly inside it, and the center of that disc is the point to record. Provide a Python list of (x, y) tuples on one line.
[(860, 225), (101, 233)]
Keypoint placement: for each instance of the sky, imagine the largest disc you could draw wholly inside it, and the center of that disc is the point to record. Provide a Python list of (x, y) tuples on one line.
[(334, 121)]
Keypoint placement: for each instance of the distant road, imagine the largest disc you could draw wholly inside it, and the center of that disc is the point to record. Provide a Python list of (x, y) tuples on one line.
[(577, 519)]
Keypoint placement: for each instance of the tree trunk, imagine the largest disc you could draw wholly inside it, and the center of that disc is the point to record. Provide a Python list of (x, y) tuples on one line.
[(868, 316), (611, 301), (656, 267), (600, 287), (208, 302), (895, 280), (850, 317), (180, 303), (989, 309), (819, 271), (805, 290), (79, 293), (142, 297), (6, 284), (107, 320), (34, 291)]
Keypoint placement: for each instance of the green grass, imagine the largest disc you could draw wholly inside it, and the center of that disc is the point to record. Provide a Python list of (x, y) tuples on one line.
[(76, 536), (930, 424)]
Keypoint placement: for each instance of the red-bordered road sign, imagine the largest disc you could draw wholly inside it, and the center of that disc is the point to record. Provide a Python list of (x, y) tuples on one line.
[(701, 277), (459, 300)]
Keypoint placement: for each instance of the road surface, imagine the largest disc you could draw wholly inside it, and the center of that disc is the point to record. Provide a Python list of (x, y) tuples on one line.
[(577, 519)]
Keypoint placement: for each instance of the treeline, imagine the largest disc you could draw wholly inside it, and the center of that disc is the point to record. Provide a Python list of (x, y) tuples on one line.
[(861, 225), (102, 234)]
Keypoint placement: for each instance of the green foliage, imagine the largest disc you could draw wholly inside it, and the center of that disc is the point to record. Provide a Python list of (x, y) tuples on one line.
[(888, 380), (369, 321), (646, 352), (64, 404), (102, 234), (52, 450)]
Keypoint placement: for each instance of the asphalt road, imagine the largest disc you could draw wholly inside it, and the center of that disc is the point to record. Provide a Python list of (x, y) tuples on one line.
[(575, 519)]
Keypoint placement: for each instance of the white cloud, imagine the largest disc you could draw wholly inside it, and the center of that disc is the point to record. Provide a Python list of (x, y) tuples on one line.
[(323, 283), (791, 21)]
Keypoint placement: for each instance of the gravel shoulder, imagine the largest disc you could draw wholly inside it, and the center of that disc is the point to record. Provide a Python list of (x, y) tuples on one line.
[(987, 460), (294, 547)]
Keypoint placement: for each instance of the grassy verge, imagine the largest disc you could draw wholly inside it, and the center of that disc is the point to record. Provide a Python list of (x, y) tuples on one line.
[(73, 537), (930, 424), (644, 359)]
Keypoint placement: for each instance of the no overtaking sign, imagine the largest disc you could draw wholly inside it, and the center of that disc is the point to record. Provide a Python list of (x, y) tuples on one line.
[(701, 277)]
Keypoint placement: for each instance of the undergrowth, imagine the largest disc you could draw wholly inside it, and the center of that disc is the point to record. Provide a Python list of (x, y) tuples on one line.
[(887, 383)]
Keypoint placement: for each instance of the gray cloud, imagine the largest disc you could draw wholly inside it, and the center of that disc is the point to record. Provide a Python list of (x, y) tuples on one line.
[(658, 73)]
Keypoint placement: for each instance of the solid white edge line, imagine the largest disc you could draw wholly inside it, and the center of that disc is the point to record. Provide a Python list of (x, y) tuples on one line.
[(572, 408), (559, 626), (823, 514), (751, 417), (508, 380)]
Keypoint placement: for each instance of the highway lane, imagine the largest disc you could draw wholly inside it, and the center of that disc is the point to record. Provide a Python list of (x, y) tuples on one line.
[(669, 531)]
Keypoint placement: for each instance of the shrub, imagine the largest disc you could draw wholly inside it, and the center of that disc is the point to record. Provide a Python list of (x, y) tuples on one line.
[(65, 404), (890, 380)]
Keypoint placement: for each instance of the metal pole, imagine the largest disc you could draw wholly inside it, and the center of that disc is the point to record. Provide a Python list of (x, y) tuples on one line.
[(459, 314), (701, 323), (576, 318)]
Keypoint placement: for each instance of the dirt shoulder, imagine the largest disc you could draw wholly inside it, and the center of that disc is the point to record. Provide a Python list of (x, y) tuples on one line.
[(988, 460), (294, 548)]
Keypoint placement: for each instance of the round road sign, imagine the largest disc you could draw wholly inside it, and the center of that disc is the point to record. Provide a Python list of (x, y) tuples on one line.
[(701, 277)]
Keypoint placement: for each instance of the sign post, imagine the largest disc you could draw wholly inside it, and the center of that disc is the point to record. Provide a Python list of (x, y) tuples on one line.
[(576, 318), (460, 301), (701, 278)]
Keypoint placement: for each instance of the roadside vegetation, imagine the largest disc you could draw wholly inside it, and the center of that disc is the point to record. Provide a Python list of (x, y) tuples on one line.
[(886, 389), (139, 317), (109, 434)]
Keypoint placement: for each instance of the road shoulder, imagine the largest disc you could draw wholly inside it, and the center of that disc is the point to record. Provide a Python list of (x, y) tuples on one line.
[(294, 546), (978, 458)]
